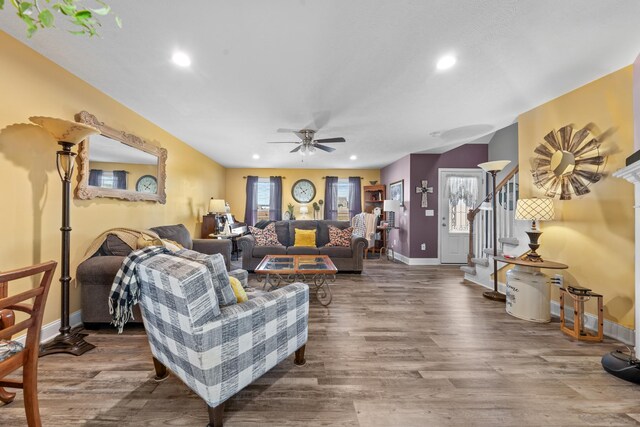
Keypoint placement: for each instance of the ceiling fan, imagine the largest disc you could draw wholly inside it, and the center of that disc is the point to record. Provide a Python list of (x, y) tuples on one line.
[(308, 145)]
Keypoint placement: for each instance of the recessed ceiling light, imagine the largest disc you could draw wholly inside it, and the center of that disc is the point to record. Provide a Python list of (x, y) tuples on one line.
[(181, 59), (353, 157), (446, 62), (256, 156)]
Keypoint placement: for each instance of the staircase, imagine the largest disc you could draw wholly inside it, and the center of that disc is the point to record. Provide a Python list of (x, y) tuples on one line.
[(511, 234)]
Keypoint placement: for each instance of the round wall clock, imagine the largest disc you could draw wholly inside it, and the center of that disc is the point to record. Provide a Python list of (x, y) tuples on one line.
[(147, 184), (303, 191)]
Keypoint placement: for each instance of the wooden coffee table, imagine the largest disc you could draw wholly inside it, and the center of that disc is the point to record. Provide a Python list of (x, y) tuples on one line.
[(284, 269)]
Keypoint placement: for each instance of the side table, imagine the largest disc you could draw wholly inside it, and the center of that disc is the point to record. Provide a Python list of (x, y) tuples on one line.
[(234, 241), (528, 290), (387, 229)]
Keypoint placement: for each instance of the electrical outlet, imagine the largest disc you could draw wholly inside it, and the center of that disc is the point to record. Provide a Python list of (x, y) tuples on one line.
[(423, 246), (429, 212)]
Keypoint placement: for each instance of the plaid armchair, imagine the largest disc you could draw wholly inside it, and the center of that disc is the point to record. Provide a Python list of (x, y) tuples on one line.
[(217, 355)]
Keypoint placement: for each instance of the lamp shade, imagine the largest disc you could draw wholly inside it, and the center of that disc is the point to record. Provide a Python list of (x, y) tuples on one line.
[(534, 209), (485, 206), (391, 205), (216, 205), (65, 130), (494, 166), (304, 210)]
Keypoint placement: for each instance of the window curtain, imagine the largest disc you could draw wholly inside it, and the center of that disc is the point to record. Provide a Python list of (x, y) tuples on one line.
[(251, 207), (120, 180), (95, 177), (331, 197), (355, 196), (463, 188), (275, 198)]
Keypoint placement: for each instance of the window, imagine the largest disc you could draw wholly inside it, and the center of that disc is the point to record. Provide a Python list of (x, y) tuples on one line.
[(343, 199), (264, 190), (463, 193), (106, 180)]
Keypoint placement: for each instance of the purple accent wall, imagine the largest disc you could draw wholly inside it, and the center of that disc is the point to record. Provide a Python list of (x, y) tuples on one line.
[(394, 172), (415, 227)]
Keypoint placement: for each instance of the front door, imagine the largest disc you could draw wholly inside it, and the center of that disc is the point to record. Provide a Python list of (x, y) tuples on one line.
[(459, 191)]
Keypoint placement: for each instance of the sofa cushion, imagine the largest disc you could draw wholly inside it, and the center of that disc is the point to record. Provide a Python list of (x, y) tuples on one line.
[(337, 251), (305, 238), (263, 223), (323, 230), (266, 236), (188, 281), (339, 237), (261, 251), (178, 233), (114, 246), (302, 250), (302, 225), (282, 230), (218, 271)]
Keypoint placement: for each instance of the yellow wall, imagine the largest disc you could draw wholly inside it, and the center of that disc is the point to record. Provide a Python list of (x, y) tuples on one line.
[(30, 186), (593, 234), (136, 171), (236, 186)]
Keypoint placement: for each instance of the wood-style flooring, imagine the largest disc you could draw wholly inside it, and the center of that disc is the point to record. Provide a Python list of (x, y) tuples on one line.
[(398, 346)]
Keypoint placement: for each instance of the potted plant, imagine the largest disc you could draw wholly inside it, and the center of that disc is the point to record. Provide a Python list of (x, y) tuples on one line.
[(290, 210)]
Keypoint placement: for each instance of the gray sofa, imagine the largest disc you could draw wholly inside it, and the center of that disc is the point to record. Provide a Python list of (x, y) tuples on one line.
[(346, 259), (95, 275)]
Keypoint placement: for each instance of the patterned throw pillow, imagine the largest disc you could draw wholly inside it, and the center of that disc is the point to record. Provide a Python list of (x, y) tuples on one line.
[(267, 236), (339, 237)]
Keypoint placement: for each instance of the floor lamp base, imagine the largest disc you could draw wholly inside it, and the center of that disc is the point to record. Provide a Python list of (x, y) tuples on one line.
[(71, 343), (494, 295)]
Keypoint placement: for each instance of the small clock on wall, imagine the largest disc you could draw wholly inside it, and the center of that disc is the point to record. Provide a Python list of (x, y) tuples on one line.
[(147, 184), (303, 191)]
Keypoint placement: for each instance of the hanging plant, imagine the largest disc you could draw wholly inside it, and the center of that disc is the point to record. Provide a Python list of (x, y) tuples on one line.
[(38, 14)]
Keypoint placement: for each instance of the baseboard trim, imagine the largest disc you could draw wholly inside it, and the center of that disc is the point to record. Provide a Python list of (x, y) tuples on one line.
[(416, 261), (610, 329), (50, 330)]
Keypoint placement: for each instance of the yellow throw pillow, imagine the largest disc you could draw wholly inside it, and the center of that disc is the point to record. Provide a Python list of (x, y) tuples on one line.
[(238, 290), (305, 238)]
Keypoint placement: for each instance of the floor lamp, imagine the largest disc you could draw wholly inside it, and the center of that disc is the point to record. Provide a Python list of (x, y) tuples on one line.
[(68, 134), (493, 168)]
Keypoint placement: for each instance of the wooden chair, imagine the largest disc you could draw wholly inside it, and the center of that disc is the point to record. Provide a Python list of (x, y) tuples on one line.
[(26, 357)]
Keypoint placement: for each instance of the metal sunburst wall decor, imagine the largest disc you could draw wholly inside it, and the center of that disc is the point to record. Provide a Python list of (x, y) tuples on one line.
[(568, 163)]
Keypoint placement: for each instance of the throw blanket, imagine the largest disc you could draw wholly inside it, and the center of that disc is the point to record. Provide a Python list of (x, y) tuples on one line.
[(125, 291), (128, 235)]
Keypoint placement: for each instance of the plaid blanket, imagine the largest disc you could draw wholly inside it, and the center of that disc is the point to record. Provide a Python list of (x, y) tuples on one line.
[(125, 291)]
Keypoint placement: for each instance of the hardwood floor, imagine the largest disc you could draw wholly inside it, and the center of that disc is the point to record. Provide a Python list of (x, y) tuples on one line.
[(398, 346)]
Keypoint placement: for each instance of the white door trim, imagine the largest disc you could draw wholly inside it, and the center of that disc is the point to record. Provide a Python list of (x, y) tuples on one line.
[(442, 171)]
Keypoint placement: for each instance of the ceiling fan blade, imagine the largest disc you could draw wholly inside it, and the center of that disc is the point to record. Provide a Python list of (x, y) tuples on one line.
[(296, 149), (284, 130), (283, 142), (324, 148), (329, 140)]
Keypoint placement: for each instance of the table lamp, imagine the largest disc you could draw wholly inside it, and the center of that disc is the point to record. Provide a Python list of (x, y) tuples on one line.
[(304, 210), (534, 210), (217, 207), (493, 168), (390, 207)]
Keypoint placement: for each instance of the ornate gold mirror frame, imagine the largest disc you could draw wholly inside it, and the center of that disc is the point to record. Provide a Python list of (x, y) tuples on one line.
[(86, 191)]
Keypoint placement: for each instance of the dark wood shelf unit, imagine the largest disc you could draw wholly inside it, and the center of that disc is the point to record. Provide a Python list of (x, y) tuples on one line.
[(374, 196)]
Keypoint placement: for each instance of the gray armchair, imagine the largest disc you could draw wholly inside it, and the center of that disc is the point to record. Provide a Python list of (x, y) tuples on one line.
[(96, 274)]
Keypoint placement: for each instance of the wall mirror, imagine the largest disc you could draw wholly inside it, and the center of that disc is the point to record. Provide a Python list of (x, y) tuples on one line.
[(119, 165)]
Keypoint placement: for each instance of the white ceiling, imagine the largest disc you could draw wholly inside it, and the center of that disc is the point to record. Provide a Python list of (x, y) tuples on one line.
[(361, 69)]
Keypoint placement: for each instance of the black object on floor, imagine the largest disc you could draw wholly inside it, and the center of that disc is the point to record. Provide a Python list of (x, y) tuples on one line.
[(622, 365)]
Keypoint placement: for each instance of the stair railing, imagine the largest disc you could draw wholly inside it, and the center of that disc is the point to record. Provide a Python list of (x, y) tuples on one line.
[(507, 193)]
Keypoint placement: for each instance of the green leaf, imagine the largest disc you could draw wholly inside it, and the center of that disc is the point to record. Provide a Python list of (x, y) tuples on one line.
[(65, 9), (102, 11), (24, 7), (118, 21), (46, 18), (83, 14), (1, 4)]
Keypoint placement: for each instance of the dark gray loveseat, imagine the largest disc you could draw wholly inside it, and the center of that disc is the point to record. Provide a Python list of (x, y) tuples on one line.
[(346, 259), (95, 275)]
